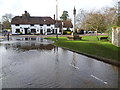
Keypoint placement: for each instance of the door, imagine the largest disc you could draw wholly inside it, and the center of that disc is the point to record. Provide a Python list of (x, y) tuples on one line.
[(25, 30), (41, 31)]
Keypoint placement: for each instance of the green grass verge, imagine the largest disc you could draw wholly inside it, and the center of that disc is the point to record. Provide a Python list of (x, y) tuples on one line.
[(90, 45)]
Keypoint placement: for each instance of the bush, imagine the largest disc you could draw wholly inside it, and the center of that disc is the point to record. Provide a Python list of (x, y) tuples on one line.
[(20, 33), (109, 31), (29, 32)]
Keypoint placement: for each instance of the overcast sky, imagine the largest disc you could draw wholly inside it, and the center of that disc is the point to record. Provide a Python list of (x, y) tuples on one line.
[(47, 7)]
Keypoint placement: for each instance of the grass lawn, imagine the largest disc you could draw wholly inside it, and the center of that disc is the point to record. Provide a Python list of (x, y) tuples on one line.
[(90, 45)]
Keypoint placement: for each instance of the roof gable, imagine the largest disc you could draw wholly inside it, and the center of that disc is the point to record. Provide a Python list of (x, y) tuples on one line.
[(66, 23)]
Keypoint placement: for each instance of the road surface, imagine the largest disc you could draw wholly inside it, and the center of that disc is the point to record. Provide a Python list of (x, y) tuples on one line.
[(36, 63)]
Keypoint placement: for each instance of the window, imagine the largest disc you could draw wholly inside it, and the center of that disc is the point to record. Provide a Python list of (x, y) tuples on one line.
[(33, 30), (48, 24), (32, 24), (41, 24), (16, 24), (17, 31), (37, 30), (48, 30)]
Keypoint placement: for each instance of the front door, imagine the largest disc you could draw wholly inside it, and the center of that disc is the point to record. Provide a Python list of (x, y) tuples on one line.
[(25, 30)]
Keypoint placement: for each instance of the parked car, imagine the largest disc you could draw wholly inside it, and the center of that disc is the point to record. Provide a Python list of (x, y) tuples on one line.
[(4, 32)]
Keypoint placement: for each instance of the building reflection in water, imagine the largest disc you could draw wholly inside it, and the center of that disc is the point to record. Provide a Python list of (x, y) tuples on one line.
[(56, 57), (25, 46), (57, 66)]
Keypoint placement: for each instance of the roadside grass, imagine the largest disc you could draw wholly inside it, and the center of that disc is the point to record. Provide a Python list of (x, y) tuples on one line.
[(90, 45)]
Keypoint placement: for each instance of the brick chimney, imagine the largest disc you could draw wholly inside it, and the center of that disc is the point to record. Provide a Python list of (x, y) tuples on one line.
[(26, 14)]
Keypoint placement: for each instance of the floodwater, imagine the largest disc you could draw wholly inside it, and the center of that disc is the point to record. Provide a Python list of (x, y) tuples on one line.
[(36, 63)]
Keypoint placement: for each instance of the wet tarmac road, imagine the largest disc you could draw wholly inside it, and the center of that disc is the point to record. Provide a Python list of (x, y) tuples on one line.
[(36, 63)]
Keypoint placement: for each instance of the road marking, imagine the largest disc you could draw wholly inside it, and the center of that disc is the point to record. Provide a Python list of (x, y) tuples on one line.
[(74, 66), (99, 79)]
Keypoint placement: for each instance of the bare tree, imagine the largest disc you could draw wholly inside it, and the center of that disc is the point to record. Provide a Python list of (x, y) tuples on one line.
[(99, 19), (80, 18), (6, 20), (110, 16)]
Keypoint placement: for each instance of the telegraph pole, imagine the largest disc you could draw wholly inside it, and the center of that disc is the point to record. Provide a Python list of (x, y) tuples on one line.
[(74, 13), (0, 26), (56, 9), (119, 13), (56, 20)]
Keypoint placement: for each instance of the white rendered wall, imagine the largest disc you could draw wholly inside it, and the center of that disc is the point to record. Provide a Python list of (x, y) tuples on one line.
[(36, 26), (116, 37)]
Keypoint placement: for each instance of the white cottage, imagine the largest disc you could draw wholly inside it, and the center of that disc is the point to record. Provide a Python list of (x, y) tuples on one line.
[(27, 24)]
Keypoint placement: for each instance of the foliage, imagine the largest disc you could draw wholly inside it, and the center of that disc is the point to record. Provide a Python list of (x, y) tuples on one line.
[(29, 32), (97, 20), (6, 21), (118, 22), (109, 31), (20, 33), (64, 15)]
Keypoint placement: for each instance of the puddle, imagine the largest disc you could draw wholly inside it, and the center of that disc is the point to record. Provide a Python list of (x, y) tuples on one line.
[(36, 63)]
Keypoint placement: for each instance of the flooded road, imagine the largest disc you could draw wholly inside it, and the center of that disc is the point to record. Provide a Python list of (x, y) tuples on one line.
[(36, 63)]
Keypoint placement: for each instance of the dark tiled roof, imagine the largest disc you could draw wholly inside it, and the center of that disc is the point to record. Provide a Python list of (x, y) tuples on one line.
[(32, 20), (66, 23), (40, 20)]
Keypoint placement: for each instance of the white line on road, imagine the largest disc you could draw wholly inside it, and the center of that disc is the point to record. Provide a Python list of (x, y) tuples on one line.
[(99, 79), (74, 66)]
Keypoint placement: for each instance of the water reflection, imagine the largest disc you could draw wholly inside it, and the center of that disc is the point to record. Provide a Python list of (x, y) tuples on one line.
[(74, 60), (29, 46), (28, 38), (25, 46), (57, 55), (39, 64)]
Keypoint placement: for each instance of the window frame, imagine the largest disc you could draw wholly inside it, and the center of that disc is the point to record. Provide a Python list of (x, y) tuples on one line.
[(48, 30), (17, 24), (32, 30), (41, 24), (48, 25), (17, 30), (31, 24)]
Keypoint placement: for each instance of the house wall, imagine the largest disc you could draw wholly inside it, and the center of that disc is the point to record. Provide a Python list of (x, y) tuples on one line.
[(116, 36), (39, 29), (66, 29)]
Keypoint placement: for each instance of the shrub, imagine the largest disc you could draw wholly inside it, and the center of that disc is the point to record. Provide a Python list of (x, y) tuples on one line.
[(109, 31), (29, 32), (20, 33)]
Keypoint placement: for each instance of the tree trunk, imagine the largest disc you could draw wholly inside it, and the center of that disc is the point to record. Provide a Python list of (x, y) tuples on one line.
[(97, 34)]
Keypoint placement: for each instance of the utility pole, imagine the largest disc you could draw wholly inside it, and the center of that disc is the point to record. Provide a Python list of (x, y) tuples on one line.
[(119, 13), (74, 13), (0, 26), (56, 9), (56, 20)]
